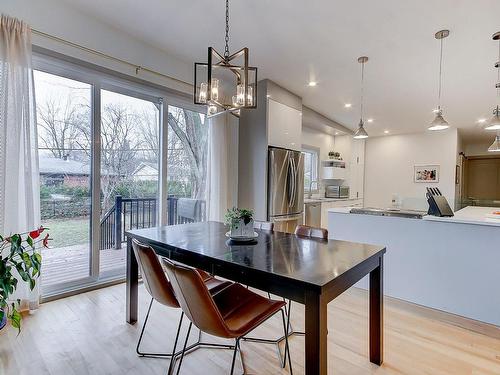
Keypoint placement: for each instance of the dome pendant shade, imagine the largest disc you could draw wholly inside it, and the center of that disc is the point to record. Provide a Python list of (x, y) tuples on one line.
[(494, 122), (439, 123), (495, 147), (361, 132)]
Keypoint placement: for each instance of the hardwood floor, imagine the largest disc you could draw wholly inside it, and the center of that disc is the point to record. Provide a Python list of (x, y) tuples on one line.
[(87, 334)]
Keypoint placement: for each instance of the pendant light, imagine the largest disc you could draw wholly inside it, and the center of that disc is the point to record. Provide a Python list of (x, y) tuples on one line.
[(225, 83), (495, 147), (439, 123), (361, 132), (494, 122)]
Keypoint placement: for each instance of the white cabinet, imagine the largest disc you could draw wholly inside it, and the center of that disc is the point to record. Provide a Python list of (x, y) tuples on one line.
[(334, 173), (284, 126), (326, 205)]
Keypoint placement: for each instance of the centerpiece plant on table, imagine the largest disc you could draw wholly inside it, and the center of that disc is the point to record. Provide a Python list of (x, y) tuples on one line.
[(240, 221), (19, 261)]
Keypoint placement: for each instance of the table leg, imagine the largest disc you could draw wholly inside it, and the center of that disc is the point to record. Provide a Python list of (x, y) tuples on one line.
[(377, 313), (316, 334), (132, 283)]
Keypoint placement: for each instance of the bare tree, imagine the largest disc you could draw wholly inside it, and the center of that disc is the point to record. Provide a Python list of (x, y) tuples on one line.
[(58, 124), (192, 133)]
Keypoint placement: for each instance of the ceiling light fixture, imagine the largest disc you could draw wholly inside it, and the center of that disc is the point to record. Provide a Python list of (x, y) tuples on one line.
[(495, 147), (481, 120), (347, 105), (494, 122), (225, 83), (312, 83), (369, 120), (439, 123), (361, 132), (386, 131)]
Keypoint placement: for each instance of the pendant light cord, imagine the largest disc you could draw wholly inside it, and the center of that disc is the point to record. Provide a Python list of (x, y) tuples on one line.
[(362, 88), (440, 74), (226, 50)]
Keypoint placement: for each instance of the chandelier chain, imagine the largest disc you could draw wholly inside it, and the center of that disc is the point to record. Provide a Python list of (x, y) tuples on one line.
[(226, 50)]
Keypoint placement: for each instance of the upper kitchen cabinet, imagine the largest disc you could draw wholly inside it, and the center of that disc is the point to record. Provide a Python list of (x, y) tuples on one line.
[(284, 125), (277, 121)]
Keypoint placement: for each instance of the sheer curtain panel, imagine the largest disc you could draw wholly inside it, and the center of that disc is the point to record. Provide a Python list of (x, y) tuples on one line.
[(19, 179), (222, 173)]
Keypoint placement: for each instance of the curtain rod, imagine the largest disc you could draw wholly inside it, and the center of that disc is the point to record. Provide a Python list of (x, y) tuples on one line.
[(137, 68)]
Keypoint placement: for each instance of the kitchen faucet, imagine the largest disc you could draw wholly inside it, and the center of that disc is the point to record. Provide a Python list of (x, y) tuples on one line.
[(309, 193)]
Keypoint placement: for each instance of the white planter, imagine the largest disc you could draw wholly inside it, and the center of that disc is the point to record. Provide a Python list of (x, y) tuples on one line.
[(243, 230)]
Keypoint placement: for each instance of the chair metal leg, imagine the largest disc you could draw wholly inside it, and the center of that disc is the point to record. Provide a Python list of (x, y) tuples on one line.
[(154, 355), (184, 348), (172, 360), (236, 347), (287, 346)]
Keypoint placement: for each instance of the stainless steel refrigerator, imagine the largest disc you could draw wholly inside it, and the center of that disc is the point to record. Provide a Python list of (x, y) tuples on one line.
[(285, 188)]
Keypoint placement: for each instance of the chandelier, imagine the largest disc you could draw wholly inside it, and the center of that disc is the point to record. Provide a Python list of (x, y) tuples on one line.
[(225, 83)]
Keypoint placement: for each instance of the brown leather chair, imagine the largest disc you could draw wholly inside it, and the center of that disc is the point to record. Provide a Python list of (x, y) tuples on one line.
[(160, 289), (311, 232), (264, 225), (231, 313)]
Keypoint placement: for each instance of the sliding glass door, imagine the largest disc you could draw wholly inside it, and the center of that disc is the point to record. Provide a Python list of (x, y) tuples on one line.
[(64, 121), (99, 155), (129, 173)]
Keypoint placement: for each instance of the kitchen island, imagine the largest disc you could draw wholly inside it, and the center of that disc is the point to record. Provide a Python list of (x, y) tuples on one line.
[(450, 264)]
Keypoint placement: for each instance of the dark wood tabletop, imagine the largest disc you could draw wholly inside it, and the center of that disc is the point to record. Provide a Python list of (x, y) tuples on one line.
[(310, 271)]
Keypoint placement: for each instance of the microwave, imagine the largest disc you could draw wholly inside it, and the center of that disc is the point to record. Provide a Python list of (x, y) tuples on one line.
[(335, 191)]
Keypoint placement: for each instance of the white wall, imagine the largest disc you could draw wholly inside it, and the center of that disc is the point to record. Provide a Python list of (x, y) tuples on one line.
[(312, 137), (389, 167), (60, 19), (478, 149)]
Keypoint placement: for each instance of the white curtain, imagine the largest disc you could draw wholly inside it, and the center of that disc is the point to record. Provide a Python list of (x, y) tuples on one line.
[(19, 178), (222, 171)]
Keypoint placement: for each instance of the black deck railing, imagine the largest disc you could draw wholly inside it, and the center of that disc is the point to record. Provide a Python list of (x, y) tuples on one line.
[(136, 213)]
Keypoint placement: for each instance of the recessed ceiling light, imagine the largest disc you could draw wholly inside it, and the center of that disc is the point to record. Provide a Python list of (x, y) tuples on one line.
[(347, 105), (386, 131), (481, 120), (336, 133), (370, 120), (312, 83)]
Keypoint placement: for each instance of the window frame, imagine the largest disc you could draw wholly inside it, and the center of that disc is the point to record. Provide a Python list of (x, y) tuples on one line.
[(317, 152), (101, 78)]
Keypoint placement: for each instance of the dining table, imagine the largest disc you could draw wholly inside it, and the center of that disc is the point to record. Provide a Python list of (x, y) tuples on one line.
[(310, 271)]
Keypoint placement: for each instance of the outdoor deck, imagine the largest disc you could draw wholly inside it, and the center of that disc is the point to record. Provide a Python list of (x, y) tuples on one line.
[(71, 263)]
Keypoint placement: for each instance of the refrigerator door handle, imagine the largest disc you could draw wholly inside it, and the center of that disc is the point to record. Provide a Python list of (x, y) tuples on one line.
[(286, 218)]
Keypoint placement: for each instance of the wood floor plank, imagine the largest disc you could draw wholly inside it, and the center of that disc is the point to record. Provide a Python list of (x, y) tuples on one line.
[(87, 334)]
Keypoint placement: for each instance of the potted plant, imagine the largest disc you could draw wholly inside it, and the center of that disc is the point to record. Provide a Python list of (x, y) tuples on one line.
[(18, 253), (240, 221)]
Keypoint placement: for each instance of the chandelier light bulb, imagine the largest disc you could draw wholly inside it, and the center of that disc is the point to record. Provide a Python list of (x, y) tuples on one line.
[(202, 97)]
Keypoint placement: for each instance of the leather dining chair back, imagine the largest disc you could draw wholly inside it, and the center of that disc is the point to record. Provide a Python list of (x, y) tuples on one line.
[(311, 232), (153, 275), (264, 225), (195, 299)]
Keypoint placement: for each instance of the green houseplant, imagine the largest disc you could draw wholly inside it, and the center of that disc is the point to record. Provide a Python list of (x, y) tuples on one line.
[(18, 253), (240, 221)]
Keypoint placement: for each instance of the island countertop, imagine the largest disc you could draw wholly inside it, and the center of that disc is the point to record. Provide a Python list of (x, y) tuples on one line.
[(449, 263), (469, 215)]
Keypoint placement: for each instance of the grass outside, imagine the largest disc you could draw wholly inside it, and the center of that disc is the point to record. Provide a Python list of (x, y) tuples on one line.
[(67, 232)]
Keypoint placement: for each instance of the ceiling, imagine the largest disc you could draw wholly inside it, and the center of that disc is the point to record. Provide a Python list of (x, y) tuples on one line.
[(321, 40)]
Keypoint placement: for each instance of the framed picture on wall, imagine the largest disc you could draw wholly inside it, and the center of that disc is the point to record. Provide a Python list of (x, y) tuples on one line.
[(426, 173)]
